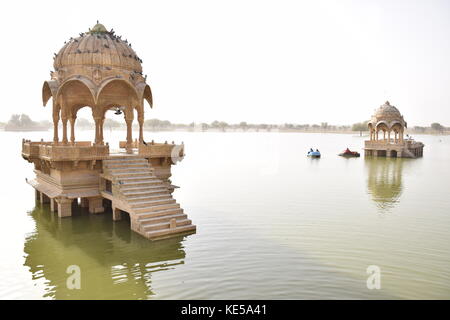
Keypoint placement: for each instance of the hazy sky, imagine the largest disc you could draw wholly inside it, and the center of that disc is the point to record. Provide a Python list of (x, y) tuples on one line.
[(255, 61)]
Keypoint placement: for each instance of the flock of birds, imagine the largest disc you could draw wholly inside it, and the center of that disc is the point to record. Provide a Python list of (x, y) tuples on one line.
[(104, 35)]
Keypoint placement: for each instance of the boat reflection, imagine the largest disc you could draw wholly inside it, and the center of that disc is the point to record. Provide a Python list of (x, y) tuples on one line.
[(385, 181), (115, 262)]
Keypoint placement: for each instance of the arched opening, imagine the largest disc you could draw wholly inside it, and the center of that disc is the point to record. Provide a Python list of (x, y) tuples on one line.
[(119, 93), (114, 125), (73, 95), (393, 153), (371, 132), (84, 123), (397, 128), (382, 131)]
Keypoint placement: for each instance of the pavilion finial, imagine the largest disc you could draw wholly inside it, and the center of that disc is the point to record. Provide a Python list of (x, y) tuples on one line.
[(98, 28)]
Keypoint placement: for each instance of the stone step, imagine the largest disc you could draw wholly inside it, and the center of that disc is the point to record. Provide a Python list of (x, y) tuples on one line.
[(129, 169), (138, 178), (132, 174), (158, 213), (171, 205), (122, 160), (151, 203), (125, 185), (130, 189), (142, 193), (121, 165), (138, 199), (167, 232), (165, 218), (164, 225)]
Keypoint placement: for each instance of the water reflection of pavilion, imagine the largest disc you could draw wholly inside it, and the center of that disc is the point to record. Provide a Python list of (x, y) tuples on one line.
[(384, 181), (115, 262)]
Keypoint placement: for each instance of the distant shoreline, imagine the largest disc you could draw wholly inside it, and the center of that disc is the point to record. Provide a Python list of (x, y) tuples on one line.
[(25, 129), (364, 133)]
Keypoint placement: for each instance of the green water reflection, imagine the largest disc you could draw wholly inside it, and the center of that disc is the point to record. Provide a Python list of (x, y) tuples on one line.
[(384, 181), (115, 262)]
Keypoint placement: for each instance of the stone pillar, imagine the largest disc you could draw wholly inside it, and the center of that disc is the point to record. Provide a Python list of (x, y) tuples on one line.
[(97, 130), (389, 136), (96, 205), (141, 130), (64, 207), (53, 205), (72, 130), (116, 214), (101, 122), (64, 122), (55, 127), (43, 198), (129, 135), (37, 195), (84, 203)]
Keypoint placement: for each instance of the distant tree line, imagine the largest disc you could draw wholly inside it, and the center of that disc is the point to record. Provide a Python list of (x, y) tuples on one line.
[(24, 121)]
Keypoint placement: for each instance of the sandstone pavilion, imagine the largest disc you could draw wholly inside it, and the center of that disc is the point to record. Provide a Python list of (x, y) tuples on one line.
[(101, 71)]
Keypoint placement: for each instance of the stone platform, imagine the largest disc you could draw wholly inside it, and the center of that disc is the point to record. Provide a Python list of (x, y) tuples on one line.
[(394, 149), (136, 183)]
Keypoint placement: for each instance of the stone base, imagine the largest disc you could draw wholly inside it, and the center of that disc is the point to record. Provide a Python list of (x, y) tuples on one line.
[(96, 205), (64, 207), (116, 214)]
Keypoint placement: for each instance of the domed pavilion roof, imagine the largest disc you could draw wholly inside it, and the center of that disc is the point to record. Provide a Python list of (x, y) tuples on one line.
[(387, 110), (387, 114), (96, 47), (98, 63)]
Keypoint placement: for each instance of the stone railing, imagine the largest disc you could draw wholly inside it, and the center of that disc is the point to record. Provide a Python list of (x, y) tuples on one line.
[(381, 143), (408, 143), (83, 150), (157, 150), (161, 150)]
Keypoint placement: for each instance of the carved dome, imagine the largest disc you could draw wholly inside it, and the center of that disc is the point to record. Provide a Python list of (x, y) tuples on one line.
[(98, 47), (386, 110), (387, 114), (98, 67)]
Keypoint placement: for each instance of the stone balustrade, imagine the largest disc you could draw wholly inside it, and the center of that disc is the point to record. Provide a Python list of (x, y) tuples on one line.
[(83, 150), (382, 143), (157, 150)]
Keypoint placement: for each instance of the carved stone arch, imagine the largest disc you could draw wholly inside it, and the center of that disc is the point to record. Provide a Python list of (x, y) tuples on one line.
[(393, 123), (49, 90), (76, 90), (145, 93), (119, 91), (382, 125)]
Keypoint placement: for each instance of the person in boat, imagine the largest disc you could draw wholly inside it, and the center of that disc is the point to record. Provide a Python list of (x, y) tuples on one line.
[(347, 151), (317, 150), (311, 150)]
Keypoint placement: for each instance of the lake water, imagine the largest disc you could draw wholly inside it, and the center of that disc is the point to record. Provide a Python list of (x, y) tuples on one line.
[(271, 224)]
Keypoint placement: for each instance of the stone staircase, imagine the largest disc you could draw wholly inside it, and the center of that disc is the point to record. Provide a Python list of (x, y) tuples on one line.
[(135, 189)]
